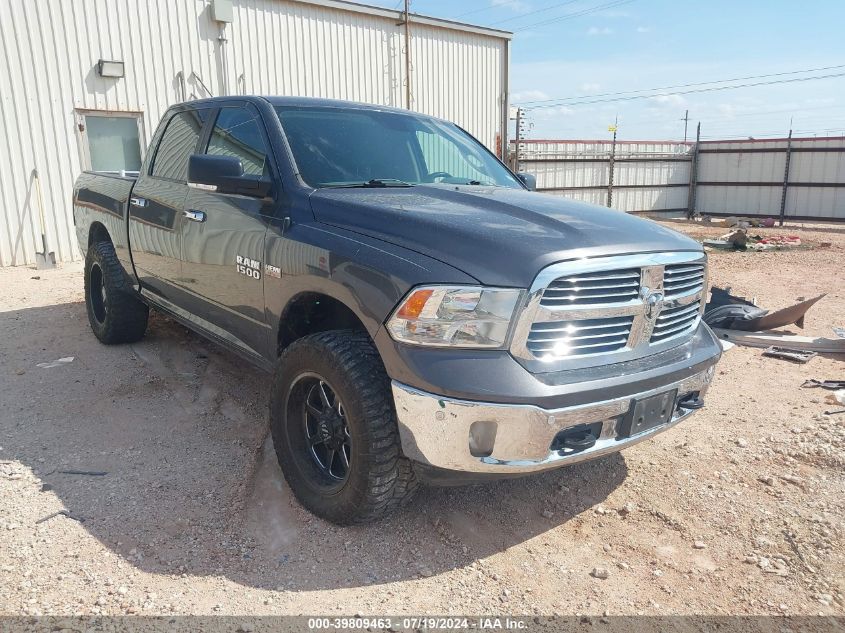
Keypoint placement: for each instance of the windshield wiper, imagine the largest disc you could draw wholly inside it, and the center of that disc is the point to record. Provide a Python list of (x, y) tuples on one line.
[(374, 183)]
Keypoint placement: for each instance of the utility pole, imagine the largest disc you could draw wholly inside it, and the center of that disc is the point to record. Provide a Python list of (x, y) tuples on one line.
[(408, 54), (686, 121), (518, 138), (693, 174), (613, 128), (786, 175)]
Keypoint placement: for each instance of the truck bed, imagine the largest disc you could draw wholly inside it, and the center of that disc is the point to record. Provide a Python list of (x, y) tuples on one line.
[(103, 198)]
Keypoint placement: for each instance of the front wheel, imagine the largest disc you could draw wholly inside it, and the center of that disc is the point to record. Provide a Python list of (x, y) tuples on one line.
[(334, 429)]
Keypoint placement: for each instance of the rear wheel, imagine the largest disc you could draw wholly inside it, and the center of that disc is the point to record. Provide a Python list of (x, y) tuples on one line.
[(334, 429), (115, 314)]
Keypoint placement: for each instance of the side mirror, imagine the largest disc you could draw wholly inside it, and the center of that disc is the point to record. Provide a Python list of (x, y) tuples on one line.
[(225, 174), (529, 180)]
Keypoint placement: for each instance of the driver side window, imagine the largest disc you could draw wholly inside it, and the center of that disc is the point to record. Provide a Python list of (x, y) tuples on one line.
[(237, 133), (441, 155)]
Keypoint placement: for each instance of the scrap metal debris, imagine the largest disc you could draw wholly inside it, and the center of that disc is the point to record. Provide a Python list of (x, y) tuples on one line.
[(727, 311), (833, 385), (794, 355), (90, 473), (739, 240), (56, 363), (837, 397), (64, 513), (774, 242), (780, 339)]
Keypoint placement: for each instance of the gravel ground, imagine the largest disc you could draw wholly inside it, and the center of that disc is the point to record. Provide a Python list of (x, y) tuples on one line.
[(737, 511)]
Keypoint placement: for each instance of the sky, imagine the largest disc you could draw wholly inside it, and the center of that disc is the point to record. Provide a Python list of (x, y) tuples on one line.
[(574, 51)]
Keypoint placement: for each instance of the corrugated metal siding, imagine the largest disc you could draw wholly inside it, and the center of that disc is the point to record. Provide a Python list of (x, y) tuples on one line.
[(567, 167), (49, 50), (735, 177), (318, 52), (743, 163), (467, 70)]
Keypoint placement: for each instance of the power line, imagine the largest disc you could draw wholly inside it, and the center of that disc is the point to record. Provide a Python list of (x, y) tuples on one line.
[(686, 92), (688, 85), (765, 112), (543, 10), (567, 16), (486, 7), (638, 120), (577, 14), (778, 133)]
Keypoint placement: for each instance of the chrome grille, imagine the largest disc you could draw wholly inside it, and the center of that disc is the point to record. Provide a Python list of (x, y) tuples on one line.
[(578, 338), (675, 321), (683, 279), (617, 286), (593, 311)]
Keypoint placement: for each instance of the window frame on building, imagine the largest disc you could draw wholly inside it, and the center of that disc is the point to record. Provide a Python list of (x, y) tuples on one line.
[(81, 115)]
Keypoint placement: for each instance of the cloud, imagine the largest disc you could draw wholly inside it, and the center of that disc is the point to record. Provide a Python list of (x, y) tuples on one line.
[(595, 30), (824, 101), (551, 113), (727, 110), (529, 95), (513, 5), (589, 87), (669, 100), (643, 29), (614, 13), (566, 76)]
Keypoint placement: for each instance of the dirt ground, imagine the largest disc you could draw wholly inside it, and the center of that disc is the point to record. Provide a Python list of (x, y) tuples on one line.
[(738, 510)]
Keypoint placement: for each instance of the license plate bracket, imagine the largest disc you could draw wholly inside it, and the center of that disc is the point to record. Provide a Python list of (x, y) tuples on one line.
[(649, 413)]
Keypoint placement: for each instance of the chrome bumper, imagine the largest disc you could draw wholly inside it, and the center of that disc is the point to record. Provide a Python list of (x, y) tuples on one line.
[(439, 432)]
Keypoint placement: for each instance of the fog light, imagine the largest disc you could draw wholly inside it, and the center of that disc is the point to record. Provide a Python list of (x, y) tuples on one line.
[(482, 437)]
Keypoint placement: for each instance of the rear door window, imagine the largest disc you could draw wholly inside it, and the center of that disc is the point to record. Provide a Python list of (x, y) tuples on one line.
[(178, 142)]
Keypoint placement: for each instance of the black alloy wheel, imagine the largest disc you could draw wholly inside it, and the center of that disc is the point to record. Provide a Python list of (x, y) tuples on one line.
[(99, 298), (326, 432)]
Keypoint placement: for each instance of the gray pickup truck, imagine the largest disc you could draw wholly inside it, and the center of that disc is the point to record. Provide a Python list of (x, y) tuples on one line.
[(426, 315)]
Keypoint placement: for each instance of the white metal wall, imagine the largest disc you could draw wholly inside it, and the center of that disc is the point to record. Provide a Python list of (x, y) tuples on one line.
[(322, 48), (647, 175), (746, 178), (734, 177)]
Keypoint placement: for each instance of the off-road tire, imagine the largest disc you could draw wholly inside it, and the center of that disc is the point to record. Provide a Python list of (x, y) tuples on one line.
[(380, 478), (116, 316)]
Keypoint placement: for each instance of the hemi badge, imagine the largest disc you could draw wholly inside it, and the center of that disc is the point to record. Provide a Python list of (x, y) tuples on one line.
[(273, 271)]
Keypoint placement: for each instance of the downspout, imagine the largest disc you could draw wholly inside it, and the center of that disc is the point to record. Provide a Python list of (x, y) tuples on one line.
[(224, 58), (408, 54), (505, 101)]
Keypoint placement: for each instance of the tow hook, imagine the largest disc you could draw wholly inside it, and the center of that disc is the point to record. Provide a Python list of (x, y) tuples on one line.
[(691, 401), (580, 442), (577, 439)]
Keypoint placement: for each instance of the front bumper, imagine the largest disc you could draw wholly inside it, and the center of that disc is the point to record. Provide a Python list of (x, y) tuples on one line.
[(494, 438)]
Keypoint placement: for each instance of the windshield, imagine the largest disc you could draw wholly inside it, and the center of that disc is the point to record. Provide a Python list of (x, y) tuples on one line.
[(345, 147)]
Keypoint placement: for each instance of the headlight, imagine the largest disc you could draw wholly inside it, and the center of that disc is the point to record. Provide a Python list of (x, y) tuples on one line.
[(455, 316)]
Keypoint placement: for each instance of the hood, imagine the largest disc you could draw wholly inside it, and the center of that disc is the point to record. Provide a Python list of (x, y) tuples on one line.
[(500, 236)]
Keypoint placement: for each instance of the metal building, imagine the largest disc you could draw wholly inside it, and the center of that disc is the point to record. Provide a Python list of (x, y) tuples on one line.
[(83, 83)]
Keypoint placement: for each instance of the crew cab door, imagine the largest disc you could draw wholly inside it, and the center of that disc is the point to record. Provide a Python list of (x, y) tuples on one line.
[(223, 237), (155, 207)]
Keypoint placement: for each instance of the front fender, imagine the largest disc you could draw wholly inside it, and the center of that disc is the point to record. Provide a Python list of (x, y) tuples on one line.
[(367, 275)]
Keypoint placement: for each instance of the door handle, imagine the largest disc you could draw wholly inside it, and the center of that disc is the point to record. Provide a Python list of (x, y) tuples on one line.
[(138, 202), (194, 215)]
